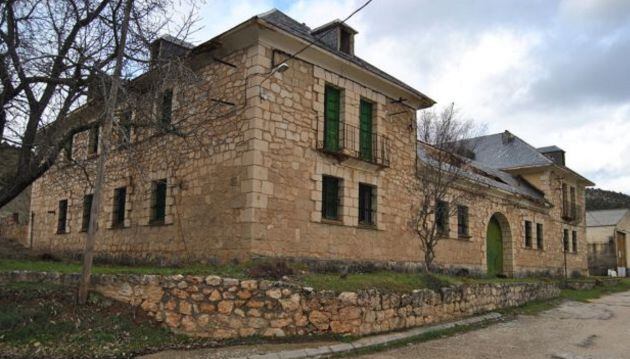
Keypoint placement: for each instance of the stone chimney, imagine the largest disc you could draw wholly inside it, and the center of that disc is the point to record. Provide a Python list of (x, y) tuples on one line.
[(168, 47), (337, 36), (507, 137)]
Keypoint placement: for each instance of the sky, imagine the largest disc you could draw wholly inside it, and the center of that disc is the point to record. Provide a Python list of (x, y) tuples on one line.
[(551, 72)]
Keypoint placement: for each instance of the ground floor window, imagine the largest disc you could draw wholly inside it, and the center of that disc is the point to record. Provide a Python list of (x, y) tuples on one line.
[(528, 234), (441, 217), (462, 221), (367, 204), (118, 215), (330, 197), (87, 209), (574, 241), (539, 236), (565, 240), (63, 216), (158, 201)]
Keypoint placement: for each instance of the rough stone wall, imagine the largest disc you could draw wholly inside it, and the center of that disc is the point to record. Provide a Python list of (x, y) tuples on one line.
[(224, 308), (204, 175), (11, 228)]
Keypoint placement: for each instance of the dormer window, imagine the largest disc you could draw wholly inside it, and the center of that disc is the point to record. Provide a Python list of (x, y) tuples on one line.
[(345, 41), (337, 36)]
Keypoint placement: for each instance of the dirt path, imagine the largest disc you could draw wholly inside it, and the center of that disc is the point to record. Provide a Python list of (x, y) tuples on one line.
[(573, 330)]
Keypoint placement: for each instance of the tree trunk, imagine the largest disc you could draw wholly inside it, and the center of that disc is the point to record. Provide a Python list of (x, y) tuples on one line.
[(108, 121), (3, 122)]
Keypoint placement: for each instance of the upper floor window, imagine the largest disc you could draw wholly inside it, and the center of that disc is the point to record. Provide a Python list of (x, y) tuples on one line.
[(332, 116), (462, 221), (366, 137), (158, 201), (367, 204), (528, 234), (573, 202), (441, 217), (539, 236), (62, 217), (330, 197), (124, 128), (167, 107), (68, 148), (93, 140)]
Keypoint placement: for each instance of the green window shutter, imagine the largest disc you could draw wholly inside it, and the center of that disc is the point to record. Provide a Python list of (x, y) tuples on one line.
[(332, 104), (365, 130), (330, 197)]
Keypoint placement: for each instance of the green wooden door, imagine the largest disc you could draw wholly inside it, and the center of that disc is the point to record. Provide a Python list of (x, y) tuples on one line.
[(365, 130), (494, 248), (332, 104)]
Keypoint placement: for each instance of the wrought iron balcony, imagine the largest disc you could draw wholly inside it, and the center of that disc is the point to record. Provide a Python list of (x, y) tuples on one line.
[(352, 142)]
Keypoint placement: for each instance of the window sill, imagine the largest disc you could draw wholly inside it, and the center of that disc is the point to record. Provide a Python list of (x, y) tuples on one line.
[(64, 232), (158, 223), (118, 226), (464, 237), (368, 226), (336, 222)]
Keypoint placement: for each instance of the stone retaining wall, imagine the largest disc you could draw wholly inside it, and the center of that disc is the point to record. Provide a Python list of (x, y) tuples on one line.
[(229, 308)]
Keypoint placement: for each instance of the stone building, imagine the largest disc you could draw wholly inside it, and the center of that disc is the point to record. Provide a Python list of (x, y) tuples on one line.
[(606, 232), (315, 156)]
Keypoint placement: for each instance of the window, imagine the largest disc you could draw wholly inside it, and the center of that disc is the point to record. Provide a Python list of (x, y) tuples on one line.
[(93, 141), (167, 107), (365, 131), (462, 221), (565, 240), (574, 242), (87, 209), (573, 207), (528, 234), (332, 110), (158, 201), (330, 197), (366, 204), (62, 217), (441, 217), (68, 148), (124, 129), (565, 200), (118, 215), (345, 42), (539, 236)]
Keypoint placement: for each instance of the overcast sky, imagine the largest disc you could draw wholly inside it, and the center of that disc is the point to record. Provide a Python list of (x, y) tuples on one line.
[(552, 72)]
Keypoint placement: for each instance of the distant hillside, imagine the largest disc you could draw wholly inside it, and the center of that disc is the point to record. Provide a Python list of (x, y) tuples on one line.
[(601, 199)]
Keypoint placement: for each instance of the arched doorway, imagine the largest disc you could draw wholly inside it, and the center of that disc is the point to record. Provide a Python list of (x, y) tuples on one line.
[(494, 247), (498, 246)]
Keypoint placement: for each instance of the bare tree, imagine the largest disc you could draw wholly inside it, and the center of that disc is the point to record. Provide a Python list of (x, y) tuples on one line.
[(442, 165), (50, 52)]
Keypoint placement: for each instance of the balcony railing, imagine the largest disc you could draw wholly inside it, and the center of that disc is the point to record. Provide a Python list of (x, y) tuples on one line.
[(572, 213), (352, 142)]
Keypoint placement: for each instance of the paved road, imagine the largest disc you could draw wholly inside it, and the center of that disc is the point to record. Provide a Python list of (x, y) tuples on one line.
[(600, 329)]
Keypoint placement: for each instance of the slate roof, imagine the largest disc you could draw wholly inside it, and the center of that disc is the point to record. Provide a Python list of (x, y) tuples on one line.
[(288, 24), (607, 217), (491, 151), (492, 177)]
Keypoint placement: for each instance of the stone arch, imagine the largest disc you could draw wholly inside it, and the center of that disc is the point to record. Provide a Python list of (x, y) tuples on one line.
[(506, 239)]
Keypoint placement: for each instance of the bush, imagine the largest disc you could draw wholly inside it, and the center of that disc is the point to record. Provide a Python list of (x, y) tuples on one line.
[(270, 270)]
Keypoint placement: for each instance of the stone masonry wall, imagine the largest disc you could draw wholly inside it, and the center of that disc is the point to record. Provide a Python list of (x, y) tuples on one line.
[(230, 308)]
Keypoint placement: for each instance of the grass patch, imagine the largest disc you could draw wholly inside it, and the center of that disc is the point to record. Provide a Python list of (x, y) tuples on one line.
[(596, 292), (382, 280), (228, 270)]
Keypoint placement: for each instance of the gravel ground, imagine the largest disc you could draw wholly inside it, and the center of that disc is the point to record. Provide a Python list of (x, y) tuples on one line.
[(573, 330), (233, 351)]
